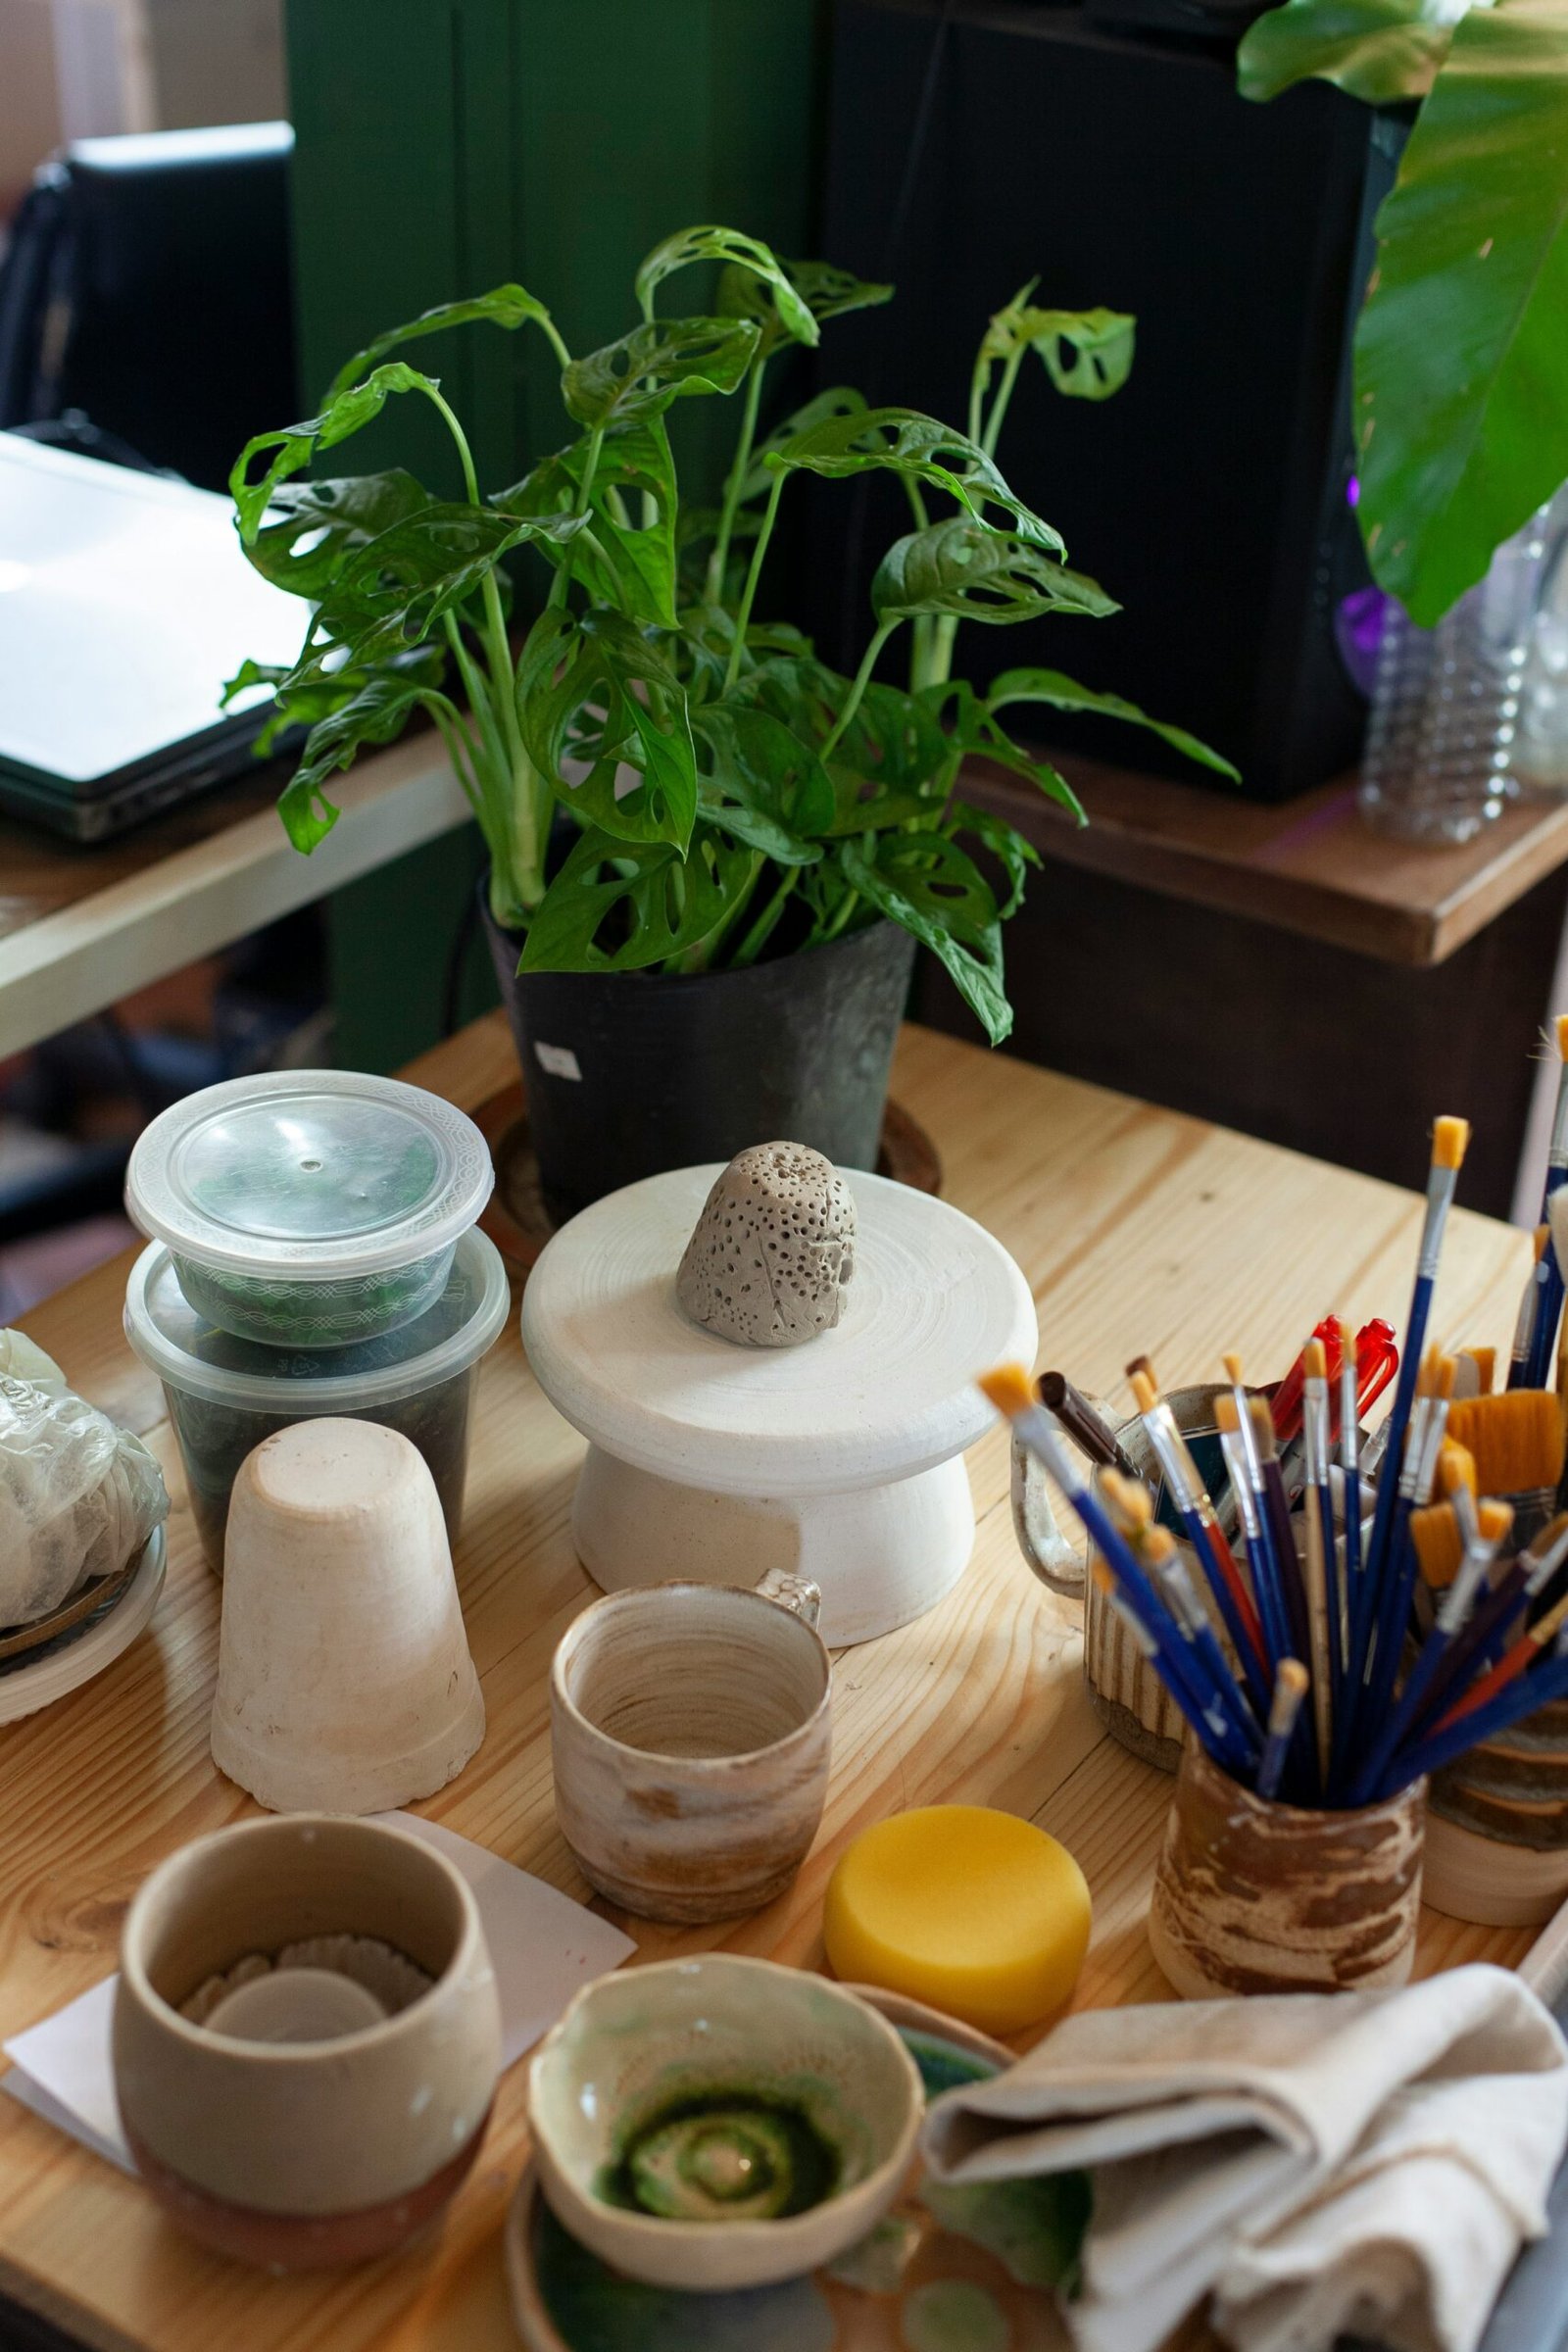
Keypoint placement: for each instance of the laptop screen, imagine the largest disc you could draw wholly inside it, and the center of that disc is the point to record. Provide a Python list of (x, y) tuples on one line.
[(126, 602)]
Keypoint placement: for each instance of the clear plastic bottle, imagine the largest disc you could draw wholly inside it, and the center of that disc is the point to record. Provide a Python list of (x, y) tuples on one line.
[(1541, 751), (1441, 749)]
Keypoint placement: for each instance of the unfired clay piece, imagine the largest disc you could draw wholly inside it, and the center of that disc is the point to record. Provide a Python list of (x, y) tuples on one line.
[(773, 1249)]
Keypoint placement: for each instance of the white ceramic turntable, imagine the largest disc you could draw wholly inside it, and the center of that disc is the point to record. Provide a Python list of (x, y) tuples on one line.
[(840, 1460)]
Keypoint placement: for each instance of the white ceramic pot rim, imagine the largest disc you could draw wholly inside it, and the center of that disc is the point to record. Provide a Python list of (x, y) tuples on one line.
[(701, 1766), (740, 2240), (286, 2055)]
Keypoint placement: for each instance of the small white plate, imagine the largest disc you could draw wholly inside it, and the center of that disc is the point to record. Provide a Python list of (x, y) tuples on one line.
[(27, 1689)]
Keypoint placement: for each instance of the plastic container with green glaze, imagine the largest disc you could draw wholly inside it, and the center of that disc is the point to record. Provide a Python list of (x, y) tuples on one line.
[(310, 1208), (226, 1394)]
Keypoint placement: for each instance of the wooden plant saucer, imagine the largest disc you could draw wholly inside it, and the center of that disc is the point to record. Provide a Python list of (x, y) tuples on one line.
[(519, 1225)]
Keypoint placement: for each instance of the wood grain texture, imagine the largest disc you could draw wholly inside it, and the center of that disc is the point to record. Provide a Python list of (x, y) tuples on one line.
[(1138, 1230)]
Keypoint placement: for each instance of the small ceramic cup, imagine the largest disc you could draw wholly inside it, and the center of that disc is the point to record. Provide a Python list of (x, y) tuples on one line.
[(1256, 1897), (296, 2154), (690, 1729), (722, 2036)]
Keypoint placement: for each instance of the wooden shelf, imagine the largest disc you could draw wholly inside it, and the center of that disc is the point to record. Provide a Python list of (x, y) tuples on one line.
[(1307, 866), (80, 928)]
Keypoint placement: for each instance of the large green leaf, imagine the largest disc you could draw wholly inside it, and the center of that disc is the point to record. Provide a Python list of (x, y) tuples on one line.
[(1012, 853), (1380, 49), (839, 400), (378, 711), (593, 691), (390, 595), (293, 445), (888, 767), (974, 730), (967, 568), (920, 448), (931, 887), (315, 527), (1060, 693), (619, 905), (665, 360), (632, 565), (826, 291), (761, 783), (733, 249), (1087, 353), (1461, 355), (504, 305)]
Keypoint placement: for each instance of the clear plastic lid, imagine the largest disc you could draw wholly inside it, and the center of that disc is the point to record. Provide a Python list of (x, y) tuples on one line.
[(194, 1355), (309, 1174)]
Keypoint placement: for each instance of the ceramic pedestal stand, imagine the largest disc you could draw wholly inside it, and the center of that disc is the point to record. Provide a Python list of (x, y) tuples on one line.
[(839, 1460)]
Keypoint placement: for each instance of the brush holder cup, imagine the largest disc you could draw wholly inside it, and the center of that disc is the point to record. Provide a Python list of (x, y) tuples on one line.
[(1256, 1897), (1124, 1691)]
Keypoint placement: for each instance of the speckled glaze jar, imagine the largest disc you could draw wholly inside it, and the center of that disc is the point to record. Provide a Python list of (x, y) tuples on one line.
[(1251, 1897)]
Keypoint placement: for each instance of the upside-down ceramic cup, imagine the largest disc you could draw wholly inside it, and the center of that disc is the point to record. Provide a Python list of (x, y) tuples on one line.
[(766, 2116), (1254, 1896), (690, 1729), (344, 1679), (304, 2154)]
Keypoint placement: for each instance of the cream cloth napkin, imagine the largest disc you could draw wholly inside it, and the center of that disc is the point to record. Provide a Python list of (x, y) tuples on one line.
[(1316, 2161)]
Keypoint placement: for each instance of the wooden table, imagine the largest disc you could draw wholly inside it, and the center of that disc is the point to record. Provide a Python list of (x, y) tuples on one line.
[(1137, 1230)]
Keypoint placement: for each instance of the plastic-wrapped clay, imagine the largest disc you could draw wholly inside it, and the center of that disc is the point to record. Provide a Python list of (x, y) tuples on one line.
[(774, 1249), (79, 1498), (21, 1358)]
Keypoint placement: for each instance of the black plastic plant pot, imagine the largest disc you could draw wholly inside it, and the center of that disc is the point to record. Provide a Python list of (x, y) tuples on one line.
[(628, 1073)]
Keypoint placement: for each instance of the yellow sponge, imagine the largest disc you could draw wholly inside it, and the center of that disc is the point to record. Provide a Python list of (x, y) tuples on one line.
[(973, 1911)]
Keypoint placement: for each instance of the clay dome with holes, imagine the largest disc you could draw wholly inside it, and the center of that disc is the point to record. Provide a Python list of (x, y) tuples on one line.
[(773, 1250)]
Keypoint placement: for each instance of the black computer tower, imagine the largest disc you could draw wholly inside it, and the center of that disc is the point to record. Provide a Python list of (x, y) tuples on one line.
[(976, 144)]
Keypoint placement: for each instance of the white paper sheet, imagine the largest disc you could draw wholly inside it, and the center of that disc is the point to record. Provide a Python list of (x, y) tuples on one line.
[(544, 1947)]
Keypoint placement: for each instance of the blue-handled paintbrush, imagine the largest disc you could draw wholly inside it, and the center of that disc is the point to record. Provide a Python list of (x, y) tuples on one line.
[(1549, 1310), (1519, 1698), (1493, 1522)]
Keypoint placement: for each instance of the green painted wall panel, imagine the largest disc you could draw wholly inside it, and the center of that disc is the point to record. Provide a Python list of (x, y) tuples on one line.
[(443, 146)]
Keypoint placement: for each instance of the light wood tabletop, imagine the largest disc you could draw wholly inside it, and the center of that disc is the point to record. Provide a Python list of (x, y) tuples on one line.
[(1138, 1230)]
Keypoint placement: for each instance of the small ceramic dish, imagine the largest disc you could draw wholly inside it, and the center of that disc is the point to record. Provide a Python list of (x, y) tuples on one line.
[(305, 2154), (719, 2081), (77, 1653)]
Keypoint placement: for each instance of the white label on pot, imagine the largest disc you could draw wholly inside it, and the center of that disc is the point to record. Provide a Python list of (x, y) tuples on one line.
[(560, 1060)]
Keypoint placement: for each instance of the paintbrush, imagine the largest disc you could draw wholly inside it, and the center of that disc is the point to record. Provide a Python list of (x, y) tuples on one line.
[(1520, 1585), (1010, 1390), (1159, 1555), (1474, 1377), (1416, 1481), (1450, 1136), (1195, 1511), (1211, 1733), (1439, 1530), (1282, 1531), (1545, 1683), (1493, 1521), (1089, 1431), (1240, 1449), (1285, 1709), (1322, 1579), (1516, 1439), (1514, 1661), (1350, 1435), (1532, 1308), (1549, 1309)]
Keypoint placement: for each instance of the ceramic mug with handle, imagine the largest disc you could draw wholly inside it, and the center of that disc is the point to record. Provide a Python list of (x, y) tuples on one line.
[(1124, 1689), (691, 1729)]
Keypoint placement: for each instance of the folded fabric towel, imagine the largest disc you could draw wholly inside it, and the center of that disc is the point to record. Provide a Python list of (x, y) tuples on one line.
[(1318, 2162)]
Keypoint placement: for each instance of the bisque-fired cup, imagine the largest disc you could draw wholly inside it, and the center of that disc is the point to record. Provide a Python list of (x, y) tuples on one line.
[(305, 2155), (690, 1731), (1256, 1897)]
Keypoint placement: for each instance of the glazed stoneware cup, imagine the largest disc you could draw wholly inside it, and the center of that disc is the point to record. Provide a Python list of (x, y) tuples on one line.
[(344, 1679), (1256, 1897), (725, 2039), (690, 1729), (293, 2154)]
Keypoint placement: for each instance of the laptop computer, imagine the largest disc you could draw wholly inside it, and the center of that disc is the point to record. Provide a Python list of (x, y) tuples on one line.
[(126, 602)]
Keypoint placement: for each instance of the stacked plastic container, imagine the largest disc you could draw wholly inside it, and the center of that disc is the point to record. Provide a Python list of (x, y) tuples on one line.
[(315, 1250)]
